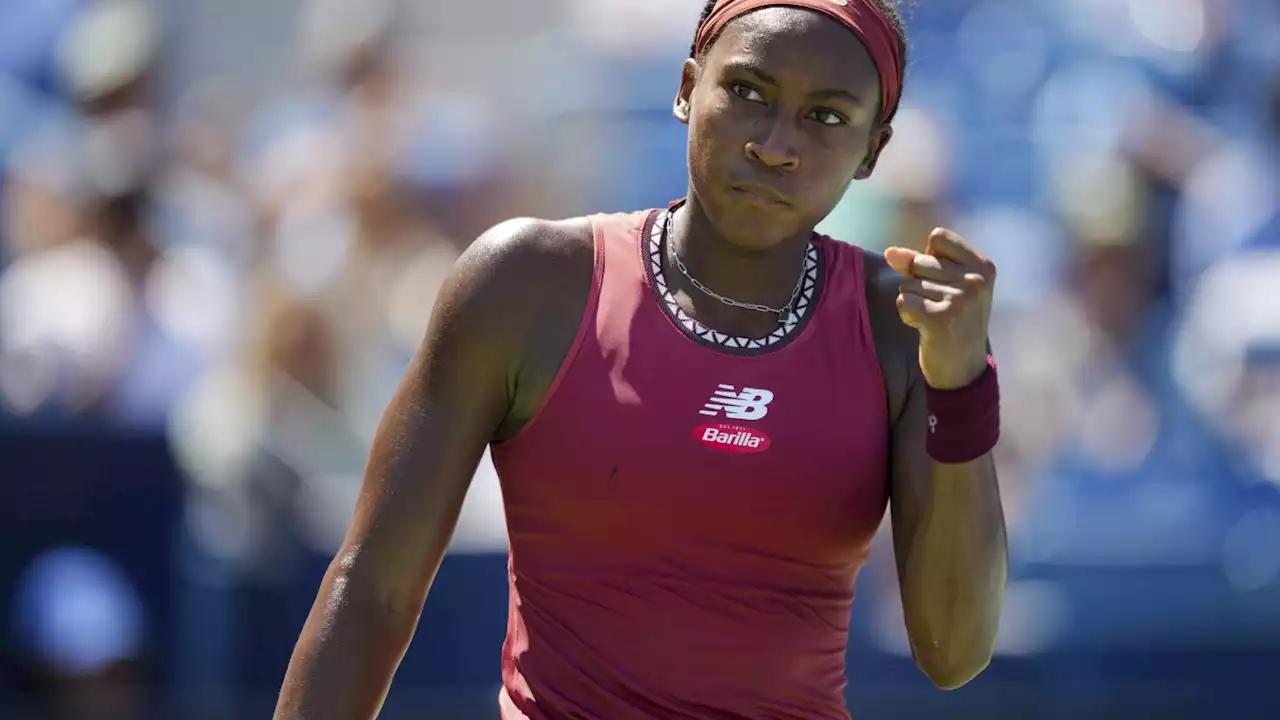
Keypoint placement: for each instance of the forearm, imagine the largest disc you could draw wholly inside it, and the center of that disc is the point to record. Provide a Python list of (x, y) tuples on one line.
[(348, 653), (954, 575)]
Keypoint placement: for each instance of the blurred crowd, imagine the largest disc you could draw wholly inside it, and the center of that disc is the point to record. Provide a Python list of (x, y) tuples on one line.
[(225, 223)]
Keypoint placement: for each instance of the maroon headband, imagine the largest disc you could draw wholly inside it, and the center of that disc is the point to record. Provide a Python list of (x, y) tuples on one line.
[(863, 17)]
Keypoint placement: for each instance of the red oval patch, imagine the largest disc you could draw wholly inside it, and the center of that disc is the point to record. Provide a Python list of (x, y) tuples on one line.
[(732, 438)]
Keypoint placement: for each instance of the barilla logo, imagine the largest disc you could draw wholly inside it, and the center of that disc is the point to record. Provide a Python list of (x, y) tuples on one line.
[(732, 438)]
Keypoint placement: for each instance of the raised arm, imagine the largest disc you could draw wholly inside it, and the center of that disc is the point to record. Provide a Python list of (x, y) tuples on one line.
[(948, 524), (451, 402)]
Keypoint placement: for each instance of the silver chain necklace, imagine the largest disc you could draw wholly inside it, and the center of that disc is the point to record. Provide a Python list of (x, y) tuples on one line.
[(786, 314)]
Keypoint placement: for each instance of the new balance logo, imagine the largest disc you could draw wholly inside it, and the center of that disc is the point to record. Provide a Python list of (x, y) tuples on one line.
[(750, 404)]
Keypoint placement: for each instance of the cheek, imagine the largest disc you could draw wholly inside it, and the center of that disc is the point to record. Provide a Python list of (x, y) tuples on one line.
[(837, 163), (713, 130), (827, 163)]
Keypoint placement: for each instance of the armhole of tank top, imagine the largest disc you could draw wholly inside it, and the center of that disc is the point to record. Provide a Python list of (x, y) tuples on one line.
[(585, 323), (835, 252), (865, 284), (862, 287), (864, 304)]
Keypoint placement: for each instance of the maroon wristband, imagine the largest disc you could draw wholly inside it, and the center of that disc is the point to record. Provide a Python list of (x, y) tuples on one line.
[(964, 424)]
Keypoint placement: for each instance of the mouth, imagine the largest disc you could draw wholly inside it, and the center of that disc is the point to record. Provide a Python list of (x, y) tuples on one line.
[(760, 194)]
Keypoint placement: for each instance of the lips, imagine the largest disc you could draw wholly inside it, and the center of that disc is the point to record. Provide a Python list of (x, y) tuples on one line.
[(761, 193)]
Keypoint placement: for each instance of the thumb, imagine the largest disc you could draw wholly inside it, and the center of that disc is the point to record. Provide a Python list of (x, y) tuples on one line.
[(900, 259), (912, 310)]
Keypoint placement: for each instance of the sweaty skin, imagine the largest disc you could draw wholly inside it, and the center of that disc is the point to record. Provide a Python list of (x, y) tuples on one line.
[(507, 317)]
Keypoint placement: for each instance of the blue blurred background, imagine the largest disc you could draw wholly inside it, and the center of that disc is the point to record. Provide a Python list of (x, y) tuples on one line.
[(224, 223)]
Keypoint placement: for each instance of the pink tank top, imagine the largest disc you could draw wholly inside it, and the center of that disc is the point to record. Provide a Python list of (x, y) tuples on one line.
[(688, 512)]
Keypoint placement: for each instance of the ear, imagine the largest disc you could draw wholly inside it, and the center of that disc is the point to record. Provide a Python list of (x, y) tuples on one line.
[(684, 97), (875, 145)]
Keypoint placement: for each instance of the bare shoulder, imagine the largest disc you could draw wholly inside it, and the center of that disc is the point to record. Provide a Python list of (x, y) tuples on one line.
[(526, 259), (882, 284), (532, 239), (896, 343), (517, 272), (454, 398), (520, 291)]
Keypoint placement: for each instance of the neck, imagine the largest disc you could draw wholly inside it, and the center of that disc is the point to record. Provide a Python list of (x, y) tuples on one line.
[(759, 276)]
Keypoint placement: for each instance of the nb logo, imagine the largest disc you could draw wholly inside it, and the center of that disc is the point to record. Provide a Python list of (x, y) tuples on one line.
[(750, 404)]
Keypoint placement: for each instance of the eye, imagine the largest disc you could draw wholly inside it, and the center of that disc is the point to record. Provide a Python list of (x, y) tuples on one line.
[(828, 117), (746, 92)]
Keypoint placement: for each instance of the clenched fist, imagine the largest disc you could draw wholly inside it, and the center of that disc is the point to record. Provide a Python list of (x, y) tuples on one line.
[(946, 295)]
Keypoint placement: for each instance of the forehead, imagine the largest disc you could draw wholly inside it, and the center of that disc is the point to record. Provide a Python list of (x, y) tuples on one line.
[(796, 43)]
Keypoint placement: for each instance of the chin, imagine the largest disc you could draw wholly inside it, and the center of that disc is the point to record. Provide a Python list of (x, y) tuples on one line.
[(753, 227)]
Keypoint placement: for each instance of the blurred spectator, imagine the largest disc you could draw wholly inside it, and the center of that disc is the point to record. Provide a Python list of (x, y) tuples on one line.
[(1226, 357), (344, 225), (79, 335), (1126, 432)]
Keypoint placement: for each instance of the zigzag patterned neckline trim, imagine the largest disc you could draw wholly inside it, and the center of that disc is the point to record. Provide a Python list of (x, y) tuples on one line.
[(804, 301)]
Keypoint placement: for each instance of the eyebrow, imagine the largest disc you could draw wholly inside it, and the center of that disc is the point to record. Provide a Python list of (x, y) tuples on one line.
[(751, 68)]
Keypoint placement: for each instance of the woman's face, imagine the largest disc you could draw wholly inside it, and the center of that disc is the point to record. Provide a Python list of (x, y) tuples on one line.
[(783, 113)]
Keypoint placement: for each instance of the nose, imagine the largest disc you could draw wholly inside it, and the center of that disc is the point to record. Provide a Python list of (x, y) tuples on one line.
[(775, 150)]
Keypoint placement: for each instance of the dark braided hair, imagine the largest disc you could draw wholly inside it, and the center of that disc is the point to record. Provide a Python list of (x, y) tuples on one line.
[(889, 7)]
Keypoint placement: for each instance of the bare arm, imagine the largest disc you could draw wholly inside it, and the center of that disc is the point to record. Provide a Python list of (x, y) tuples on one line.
[(948, 524), (949, 541), (448, 407)]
